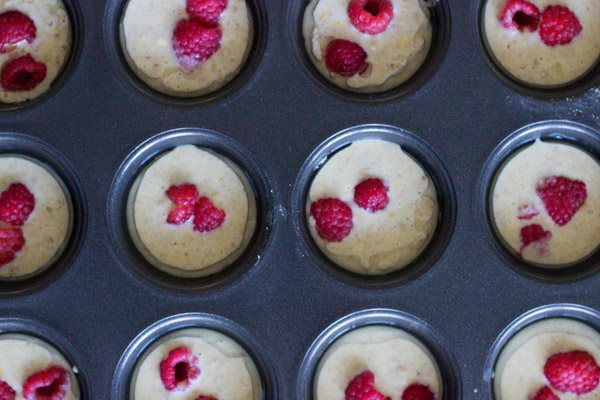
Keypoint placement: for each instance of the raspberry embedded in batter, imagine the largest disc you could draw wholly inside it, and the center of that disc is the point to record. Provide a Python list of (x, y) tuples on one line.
[(11, 242), (371, 195), (345, 58), (6, 391), (333, 219), (371, 16), (22, 74), (179, 369), (49, 384), (562, 197), (544, 393), (194, 44), (207, 217), (574, 372), (16, 204), (417, 391), (520, 14), (559, 26), (14, 28), (206, 12)]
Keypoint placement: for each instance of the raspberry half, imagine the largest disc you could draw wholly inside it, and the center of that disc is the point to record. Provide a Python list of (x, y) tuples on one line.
[(371, 16), (194, 44), (544, 393), (15, 27), (333, 219), (50, 384), (371, 195), (22, 74), (562, 197), (207, 217), (185, 196), (559, 26), (345, 58), (520, 14), (179, 369), (206, 12), (575, 372), (6, 392), (11, 242), (360, 385), (16, 204), (416, 391)]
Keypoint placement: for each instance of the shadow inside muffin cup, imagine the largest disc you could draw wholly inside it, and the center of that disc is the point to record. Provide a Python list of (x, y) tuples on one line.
[(425, 157), (564, 132), (126, 370), (76, 20), (38, 152), (130, 248), (429, 337), (582, 84), (440, 21), (17, 328), (575, 312), (124, 66)]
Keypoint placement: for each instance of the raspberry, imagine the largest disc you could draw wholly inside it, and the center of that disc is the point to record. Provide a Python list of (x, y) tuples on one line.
[(562, 197), (22, 74), (345, 58), (50, 384), (360, 385), (206, 12), (194, 44), (6, 392), (527, 212), (15, 27), (207, 217), (333, 219), (11, 242), (371, 195), (575, 372), (179, 369), (520, 14), (185, 194), (416, 391), (16, 203), (559, 26), (370, 16), (544, 393)]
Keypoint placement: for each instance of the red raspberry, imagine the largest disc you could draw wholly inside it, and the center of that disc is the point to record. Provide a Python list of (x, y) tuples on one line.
[(179, 369), (15, 27), (333, 219), (575, 372), (194, 44), (16, 203), (534, 233), (520, 14), (206, 12), (562, 197), (371, 16), (207, 217), (22, 74), (371, 195), (6, 392), (203, 398), (50, 384), (559, 26), (345, 58), (416, 391), (544, 393), (185, 194), (527, 212), (11, 242), (360, 385)]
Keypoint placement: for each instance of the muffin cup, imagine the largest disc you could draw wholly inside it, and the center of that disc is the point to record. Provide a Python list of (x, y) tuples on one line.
[(440, 21), (113, 16), (76, 19), (565, 132), (125, 178), (562, 310), (428, 160), (122, 379), (18, 326), (34, 150), (576, 87), (386, 317)]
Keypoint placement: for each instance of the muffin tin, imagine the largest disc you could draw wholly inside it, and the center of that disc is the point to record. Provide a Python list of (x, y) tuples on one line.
[(99, 127)]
